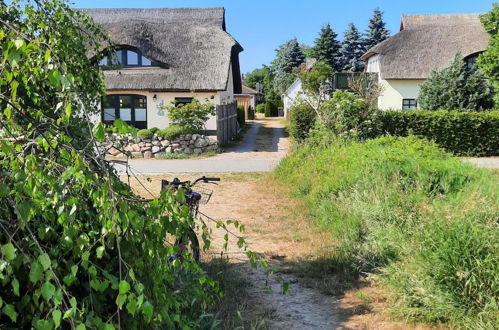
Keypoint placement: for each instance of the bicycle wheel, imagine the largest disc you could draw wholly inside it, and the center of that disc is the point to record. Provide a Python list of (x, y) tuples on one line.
[(190, 243)]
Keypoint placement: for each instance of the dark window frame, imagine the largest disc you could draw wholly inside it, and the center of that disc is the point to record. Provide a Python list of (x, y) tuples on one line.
[(180, 101), (121, 54), (132, 122), (411, 104)]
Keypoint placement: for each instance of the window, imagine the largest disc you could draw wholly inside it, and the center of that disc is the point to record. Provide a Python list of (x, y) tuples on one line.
[(130, 108), (409, 104), (180, 101), (126, 58), (471, 62)]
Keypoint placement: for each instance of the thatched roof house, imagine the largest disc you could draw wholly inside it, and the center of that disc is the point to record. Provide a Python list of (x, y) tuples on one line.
[(166, 55), (423, 44), (191, 44)]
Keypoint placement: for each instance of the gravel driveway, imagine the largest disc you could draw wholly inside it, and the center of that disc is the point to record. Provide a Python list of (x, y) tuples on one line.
[(262, 148)]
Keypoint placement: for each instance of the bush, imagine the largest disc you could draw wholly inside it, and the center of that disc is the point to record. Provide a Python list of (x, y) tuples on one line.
[(251, 113), (260, 108), (402, 208), (241, 116), (174, 131), (302, 121), (154, 130), (145, 134), (193, 115), (119, 126), (344, 113), (272, 108), (462, 133)]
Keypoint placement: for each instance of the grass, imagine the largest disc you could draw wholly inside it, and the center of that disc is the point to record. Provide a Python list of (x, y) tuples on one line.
[(185, 156), (419, 219)]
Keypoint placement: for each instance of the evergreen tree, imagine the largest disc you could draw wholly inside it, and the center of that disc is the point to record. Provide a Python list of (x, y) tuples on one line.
[(326, 47), (351, 50), (456, 88), (488, 61), (286, 65), (376, 32)]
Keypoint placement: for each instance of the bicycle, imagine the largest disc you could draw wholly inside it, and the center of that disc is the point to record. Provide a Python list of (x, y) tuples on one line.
[(192, 199)]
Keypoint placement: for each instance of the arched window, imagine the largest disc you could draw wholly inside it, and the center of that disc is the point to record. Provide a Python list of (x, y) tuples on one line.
[(130, 108), (126, 58)]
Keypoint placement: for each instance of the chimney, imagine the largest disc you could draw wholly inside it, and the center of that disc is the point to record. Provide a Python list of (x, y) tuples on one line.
[(303, 67)]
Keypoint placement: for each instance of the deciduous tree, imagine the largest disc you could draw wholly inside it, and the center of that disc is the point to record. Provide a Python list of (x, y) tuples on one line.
[(488, 61)]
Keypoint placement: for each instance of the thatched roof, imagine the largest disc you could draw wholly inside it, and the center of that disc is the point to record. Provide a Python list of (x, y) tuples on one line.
[(428, 42), (191, 44)]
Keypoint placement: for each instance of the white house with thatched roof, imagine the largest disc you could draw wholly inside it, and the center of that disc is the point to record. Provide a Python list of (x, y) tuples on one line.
[(423, 44), (166, 55)]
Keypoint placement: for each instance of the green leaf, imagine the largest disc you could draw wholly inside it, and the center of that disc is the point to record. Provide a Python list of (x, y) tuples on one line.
[(18, 43), (147, 310), (44, 259), (15, 286), (48, 290), (10, 311), (132, 306), (56, 317), (99, 131), (43, 325), (9, 251), (100, 252), (124, 287), (120, 300), (36, 272), (55, 78), (81, 327)]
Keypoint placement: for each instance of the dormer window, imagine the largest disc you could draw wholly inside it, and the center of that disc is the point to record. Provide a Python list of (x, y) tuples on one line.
[(126, 58)]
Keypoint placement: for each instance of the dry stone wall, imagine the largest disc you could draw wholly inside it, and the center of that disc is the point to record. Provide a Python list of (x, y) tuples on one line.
[(156, 146)]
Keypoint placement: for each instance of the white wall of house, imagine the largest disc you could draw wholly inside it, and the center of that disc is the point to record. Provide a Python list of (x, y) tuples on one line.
[(290, 96), (157, 117), (394, 90)]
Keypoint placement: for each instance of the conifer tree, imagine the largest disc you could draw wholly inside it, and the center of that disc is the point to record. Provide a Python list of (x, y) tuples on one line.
[(376, 31), (285, 66), (326, 47), (456, 87), (351, 50)]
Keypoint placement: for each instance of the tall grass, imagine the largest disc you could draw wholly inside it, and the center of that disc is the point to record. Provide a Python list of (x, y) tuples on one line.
[(406, 210)]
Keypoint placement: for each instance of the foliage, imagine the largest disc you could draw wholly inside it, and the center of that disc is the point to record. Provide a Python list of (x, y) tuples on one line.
[(302, 121), (352, 48), (272, 108), (145, 134), (401, 208), (286, 65), (326, 47), (121, 127), (191, 115), (241, 116), (174, 131), (488, 61), (462, 133), (316, 85), (376, 31), (260, 108), (456, 87), (367, 87), (78, 248), (265, 77)]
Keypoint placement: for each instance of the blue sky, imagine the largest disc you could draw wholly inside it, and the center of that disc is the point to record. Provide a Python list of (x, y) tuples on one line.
[(262, 25)]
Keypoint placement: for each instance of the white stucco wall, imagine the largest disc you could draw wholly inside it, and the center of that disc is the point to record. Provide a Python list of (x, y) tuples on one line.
[(156, 117), (395, 90), (290, 97)]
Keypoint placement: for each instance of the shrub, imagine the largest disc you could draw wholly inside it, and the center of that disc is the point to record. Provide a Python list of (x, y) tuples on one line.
[(154, 130), (251, 113), (344, 113), (174, 131), (193, 115), (260, 108), (241, 116), (303, 118), (488, 61), (462, 133), (456, 87), (406, 210), (119, 126), (145, 134), (272, 108)]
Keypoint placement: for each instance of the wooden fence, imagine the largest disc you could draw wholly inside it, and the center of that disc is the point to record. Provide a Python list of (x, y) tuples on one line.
[(226, 122)]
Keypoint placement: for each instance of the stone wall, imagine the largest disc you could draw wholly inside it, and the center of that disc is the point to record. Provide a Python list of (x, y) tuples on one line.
[(156, 146)]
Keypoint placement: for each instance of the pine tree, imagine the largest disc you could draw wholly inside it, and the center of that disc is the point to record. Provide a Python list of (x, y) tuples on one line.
[(351, 50), (456, 88), (285, 66), (327, 47), (376, 32)]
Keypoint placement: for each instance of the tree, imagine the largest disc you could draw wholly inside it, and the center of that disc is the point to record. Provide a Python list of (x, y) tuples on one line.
[(367, 87), (326, 47), (265, 78), (488, 61), (376, 31), (456, 87), (351, 50), (316, 85), (286, 65)]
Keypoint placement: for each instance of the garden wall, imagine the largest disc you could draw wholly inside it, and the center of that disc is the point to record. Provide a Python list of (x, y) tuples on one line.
[(156, 146)]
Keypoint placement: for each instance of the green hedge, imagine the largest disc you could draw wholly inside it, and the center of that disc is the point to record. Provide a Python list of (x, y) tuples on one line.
[(260, 108), (462, 133), (145, 134), (272, 108), (302, 120), (241, 116)]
